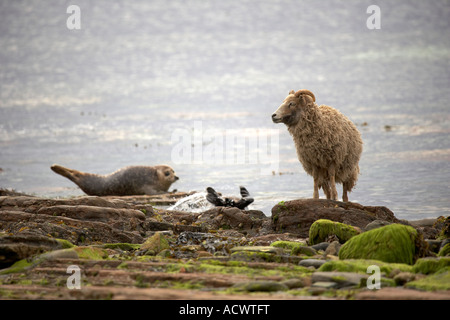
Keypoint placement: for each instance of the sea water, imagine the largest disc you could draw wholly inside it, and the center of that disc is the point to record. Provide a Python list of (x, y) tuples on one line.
[(116, 92)]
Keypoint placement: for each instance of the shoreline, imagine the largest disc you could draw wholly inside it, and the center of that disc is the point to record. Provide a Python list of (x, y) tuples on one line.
[(128, 248)]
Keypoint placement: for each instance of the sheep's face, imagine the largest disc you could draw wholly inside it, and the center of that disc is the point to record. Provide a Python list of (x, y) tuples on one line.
[(289, 112)]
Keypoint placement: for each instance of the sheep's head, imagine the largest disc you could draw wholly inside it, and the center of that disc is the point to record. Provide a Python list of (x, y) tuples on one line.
[(290, 110)]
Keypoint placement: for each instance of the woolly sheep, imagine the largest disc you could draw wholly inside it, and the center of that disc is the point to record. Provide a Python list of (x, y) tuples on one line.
[(328, 144)]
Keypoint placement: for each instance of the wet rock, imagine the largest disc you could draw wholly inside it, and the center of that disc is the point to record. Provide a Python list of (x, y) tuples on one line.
[(297, 216), (316, 263)]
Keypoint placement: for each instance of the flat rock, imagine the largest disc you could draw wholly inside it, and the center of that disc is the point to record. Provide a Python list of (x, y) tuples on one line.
[(342, 279), (397, 293), (316, 263), (297, 216)]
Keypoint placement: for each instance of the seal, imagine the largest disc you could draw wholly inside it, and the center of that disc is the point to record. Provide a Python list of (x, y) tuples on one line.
[(128, 181), (214, 198)]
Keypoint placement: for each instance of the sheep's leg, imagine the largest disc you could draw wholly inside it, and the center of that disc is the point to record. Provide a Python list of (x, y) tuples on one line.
[(332, 175), (316, 187), (326, 189), (344, 193)]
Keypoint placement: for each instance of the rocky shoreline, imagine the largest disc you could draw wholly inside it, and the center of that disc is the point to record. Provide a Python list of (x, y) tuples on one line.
[(131, 248)]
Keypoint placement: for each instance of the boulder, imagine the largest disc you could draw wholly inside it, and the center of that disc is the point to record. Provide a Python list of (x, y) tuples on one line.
[(391, 243), (322, 229), (297, 216)]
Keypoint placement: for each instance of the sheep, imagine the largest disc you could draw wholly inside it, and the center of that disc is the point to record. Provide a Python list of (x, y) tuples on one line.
[(328, 144)]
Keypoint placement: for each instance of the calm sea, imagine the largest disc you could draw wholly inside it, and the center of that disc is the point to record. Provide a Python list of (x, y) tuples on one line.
[(152, 82)]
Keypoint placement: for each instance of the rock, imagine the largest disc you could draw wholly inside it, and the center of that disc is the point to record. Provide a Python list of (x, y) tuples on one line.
[(249, 222), (362, 265), (155, 244), (342, 279), (392, 243), (320, 246), (430, 265), (257, 253), (295, 247), (264, 286), (436, 281), (301, 250), (403, 277), (376, 224), (333, 248), (321, 229), (297, 216), (444, 251), (261, 249), (296, 283), (325, 284), (18, 247), (401, 294), (316, 263)]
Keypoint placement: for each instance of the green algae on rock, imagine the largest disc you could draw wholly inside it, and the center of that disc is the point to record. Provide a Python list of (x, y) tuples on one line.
[(436, 281), (361, 265), (431, 265), (391, 243), (155, 244), (321, 229)]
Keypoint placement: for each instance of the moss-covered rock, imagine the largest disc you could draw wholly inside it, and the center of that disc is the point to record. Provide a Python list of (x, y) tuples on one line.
[(155, 244), (321, 229), (360, 265), (393, 243), (445, 251), (437, 281), (431, 265), (287, 244)]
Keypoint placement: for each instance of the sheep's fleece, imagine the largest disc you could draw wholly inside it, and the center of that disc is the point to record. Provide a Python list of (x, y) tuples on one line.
[(328, 144)]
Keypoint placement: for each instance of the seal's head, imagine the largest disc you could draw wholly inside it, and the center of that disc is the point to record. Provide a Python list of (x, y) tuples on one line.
[(166, 176)]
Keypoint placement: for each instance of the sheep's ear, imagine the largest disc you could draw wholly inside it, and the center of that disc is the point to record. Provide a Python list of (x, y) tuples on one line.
[(291, 92)]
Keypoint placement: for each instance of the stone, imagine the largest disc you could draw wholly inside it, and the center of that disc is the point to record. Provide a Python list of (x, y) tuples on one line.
[(376, 224), (21, 246), (391, 243), (430, 265), (320, 246), (264, 286), (325, 284), (316, 263), (297, 216), (401, 294), (322, 229), (155, 244), (333, 248), (341, 279), (404, 277)]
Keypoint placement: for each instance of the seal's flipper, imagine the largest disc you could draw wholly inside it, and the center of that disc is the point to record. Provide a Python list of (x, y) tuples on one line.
[(214, 198), (244, 192), (243, 203)]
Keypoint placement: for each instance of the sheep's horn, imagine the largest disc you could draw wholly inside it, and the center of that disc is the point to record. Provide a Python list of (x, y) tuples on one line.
[(304, 91)]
